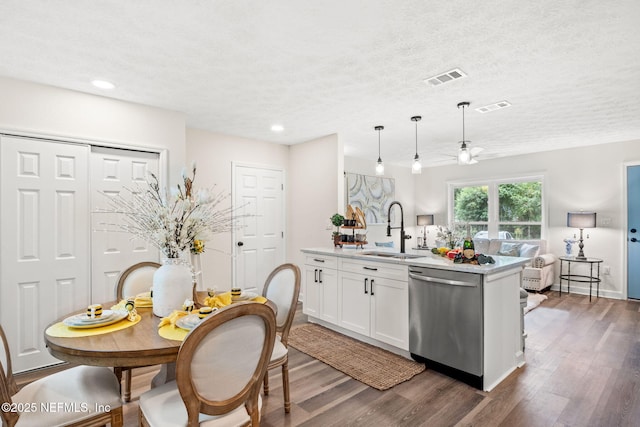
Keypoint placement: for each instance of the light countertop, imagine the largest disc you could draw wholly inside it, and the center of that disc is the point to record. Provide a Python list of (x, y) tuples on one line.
[(425, 259)]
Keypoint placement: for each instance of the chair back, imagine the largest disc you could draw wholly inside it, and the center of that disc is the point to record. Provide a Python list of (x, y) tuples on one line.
[(283, 288), (5, 361), (223, 360), (8, 386), (136, 279)]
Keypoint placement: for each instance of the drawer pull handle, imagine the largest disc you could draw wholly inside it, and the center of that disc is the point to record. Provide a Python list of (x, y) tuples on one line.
[(370, 268), (318, 260)]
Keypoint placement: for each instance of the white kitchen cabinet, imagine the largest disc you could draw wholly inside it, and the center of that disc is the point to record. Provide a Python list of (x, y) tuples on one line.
[(374, 301), (321, 288)]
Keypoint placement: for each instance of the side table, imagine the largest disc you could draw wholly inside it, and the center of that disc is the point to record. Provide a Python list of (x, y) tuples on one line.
[(591, 278)]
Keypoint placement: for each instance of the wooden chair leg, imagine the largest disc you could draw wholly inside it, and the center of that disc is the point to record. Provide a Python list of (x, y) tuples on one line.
[(285, 387), (265, 383)]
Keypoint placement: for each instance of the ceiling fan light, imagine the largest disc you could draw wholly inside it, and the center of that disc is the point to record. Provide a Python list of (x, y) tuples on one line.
[(464, 155)]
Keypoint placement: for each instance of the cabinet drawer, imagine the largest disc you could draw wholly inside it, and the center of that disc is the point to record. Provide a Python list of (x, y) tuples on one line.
[(321, 261), (375, 269)]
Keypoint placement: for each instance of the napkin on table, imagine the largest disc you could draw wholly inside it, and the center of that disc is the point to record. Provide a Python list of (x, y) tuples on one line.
[(172, 318), (143, 300)]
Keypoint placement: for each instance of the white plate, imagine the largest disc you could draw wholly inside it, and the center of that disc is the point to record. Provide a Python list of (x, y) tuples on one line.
[(84, 317), (190, 321), (79, 320), (245, 296)]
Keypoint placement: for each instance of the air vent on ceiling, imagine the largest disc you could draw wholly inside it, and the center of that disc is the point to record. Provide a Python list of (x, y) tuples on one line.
[(493, 107), (447, 77)]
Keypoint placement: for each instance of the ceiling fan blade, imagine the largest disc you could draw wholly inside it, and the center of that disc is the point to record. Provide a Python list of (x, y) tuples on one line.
[(476, 150)]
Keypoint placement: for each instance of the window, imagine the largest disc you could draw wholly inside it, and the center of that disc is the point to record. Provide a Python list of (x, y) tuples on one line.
[(506, 209)]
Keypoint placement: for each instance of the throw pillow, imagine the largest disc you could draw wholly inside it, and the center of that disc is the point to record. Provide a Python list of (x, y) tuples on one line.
[(529, 251), (509, 249), (385, 244)]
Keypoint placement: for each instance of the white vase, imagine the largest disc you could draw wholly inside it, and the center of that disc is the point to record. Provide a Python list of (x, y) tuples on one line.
[(172, 285)]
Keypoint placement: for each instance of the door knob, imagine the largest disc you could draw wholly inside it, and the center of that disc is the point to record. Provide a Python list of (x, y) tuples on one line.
[(240, 243), (633, 230), (633, 239)]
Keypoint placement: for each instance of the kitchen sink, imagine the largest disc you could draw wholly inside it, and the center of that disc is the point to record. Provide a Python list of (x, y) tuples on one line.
[(391, 255)]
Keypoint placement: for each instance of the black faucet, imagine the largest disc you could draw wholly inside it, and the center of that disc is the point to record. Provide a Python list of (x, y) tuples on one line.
[(403, 236)]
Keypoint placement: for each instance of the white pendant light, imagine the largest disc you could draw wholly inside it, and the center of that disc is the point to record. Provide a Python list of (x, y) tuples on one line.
[(416, 167), (379, 164), (464, 153)]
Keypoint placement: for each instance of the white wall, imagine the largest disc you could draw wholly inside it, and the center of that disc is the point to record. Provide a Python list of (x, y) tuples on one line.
[(590, 178), (46, 110), (214, 154), (405, 194), (315, 193)]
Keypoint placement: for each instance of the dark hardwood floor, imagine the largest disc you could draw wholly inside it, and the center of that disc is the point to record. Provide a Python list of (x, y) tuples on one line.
[(582, 369)]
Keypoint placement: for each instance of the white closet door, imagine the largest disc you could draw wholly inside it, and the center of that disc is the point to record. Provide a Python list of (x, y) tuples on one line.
[(112, 252), (259, 240), (44, 250)]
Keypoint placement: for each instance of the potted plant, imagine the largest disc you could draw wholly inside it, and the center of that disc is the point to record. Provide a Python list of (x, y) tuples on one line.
[(337, 220)]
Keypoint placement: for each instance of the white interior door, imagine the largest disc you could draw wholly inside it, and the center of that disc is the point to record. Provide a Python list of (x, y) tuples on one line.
[(44, 217), (259, 241), (112, 252)]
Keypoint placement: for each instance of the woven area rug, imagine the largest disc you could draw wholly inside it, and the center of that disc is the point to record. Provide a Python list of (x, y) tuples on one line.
[(534, 300), (370, 365)]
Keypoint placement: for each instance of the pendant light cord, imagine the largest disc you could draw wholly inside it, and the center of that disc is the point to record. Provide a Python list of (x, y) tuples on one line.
[(379, 128), (416, 138)]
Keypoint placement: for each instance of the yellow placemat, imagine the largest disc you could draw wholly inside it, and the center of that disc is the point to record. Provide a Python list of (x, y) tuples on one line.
[(63, 331), (172, 332)]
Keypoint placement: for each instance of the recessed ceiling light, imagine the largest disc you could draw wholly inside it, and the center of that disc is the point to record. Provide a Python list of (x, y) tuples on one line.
[(103, 84), (277, 128)]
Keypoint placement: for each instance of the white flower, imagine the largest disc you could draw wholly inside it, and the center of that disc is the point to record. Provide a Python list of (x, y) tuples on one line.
[(171, 222)]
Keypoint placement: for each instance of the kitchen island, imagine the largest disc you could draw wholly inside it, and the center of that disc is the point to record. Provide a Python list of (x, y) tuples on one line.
[(460, 319)]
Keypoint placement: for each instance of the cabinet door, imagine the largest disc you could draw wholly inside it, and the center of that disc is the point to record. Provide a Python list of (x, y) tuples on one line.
[(390, 312), (355, 299), (311, 304), (328, 281)]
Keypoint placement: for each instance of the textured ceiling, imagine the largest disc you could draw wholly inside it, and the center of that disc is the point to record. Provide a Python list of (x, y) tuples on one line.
[(570, 69)]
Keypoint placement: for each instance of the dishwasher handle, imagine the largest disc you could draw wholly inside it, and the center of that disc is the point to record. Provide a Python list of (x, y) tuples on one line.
[(441, 281)]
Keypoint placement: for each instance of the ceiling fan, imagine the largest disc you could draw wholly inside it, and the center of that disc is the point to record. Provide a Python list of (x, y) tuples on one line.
[(466, 155)]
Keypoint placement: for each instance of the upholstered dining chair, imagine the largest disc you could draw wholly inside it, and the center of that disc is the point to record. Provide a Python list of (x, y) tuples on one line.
[(78, 396), (219, 371), (283, 288), (134, 280)]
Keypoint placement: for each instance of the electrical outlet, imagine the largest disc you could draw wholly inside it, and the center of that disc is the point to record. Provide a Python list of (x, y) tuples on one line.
[(606, 270)]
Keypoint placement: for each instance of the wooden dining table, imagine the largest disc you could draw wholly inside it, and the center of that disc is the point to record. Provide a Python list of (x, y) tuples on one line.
[(137, 346), (133, 347)]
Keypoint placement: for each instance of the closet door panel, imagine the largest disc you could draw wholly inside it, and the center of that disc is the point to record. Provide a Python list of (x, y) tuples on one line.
[(44, 230), (113, 170)]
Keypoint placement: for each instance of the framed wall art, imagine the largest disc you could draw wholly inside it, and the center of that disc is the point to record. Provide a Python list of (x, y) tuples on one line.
[(372, 194)]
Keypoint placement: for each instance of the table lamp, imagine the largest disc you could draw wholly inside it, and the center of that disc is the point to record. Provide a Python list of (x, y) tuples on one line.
[(581, 220), (424, 220)]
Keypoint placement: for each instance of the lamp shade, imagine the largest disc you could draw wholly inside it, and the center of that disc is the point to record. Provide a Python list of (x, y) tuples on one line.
[(581, 220), (425, 220)]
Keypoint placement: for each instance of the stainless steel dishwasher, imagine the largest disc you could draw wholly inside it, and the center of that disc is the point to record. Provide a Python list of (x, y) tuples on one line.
[(446, 322)]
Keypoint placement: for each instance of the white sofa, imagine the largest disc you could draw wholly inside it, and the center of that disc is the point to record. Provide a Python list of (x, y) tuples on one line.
[(537, 276)]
